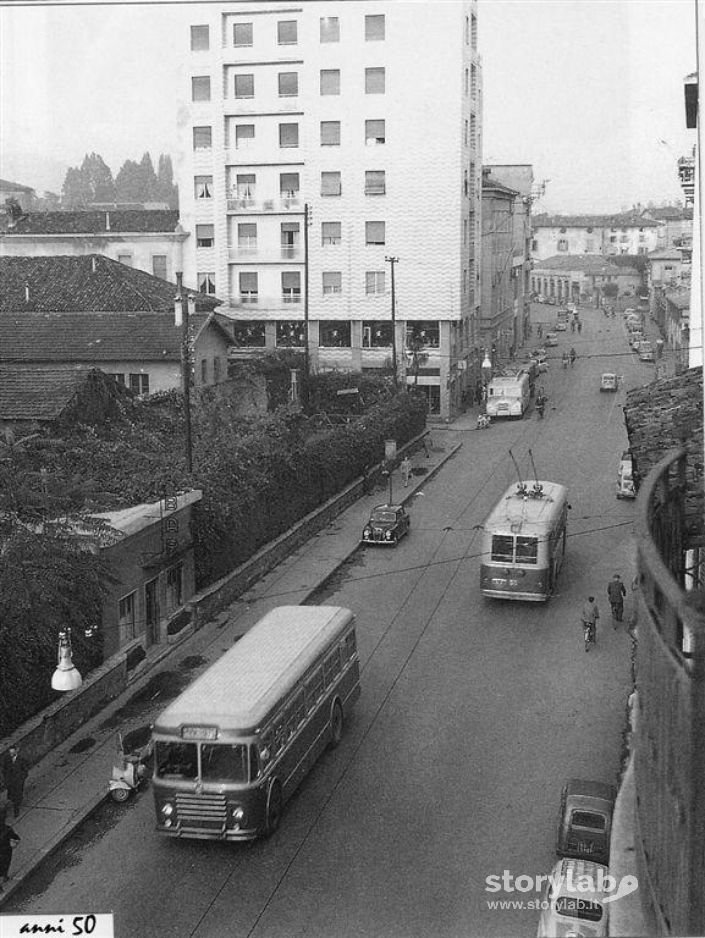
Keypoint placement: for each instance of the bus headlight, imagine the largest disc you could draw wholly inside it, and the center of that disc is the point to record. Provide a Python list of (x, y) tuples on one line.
[(237, 814), (167, 811), (388, 535)]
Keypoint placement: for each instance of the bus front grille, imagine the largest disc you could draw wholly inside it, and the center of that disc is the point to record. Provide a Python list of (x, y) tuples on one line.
[(202, 811)]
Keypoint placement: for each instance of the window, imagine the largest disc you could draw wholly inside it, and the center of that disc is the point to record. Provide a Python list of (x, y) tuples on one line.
[(331, 183), (248, 288), (205, 235), (288, 135), (562, 230), (139, 383), (330, 81), (287, 34), (202, 138), (126, 617), (465, 134), (332, 282), (376, 334), (502, 548), (314, 688), (203, 187), (117, 377), (249, 334), (473, 80), (374, 27), (330, 232), (222, 762), (374, 81), (375, 132), (244, 86), (589, 230), (375, 183), (374, 232), (527, 549), (291, 286), (288, 84), (330, 29), (467, 30), (159, 265), (423, 334), (247, 238), (206, 282), (289, 185), (466, 188), (245, 186), (174, 587), (291, 334), (374, 282), (290, 238), (465, 231), (331, 667), (201, 88), (562, 245), (333, 334), (200, 38), (244, 136), (330, 133), (349, 647), (125, 259), (242, 34), (204, 371)]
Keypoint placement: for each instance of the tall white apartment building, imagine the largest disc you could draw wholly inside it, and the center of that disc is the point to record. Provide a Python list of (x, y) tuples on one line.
[(364, 120)]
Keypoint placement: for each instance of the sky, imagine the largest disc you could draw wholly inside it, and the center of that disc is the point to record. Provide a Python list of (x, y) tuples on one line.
[(589, 92)]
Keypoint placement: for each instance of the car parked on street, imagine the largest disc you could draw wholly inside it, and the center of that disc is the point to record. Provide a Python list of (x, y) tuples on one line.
[(585, 820), (569, 906), (625, 476), (561, 326), (387, 525), (646, 352), (550, 339), (609, 382)]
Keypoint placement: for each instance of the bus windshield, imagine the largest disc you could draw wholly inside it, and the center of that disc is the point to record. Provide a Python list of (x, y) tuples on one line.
[(220, 762), (527, 549)]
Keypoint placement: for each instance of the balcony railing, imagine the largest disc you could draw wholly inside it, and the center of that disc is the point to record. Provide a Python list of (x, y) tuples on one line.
[(260, 303), (262, 206), (669, 745)]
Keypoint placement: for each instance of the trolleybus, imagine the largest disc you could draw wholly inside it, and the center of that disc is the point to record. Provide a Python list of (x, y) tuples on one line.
[(524, 542), (232, 748)]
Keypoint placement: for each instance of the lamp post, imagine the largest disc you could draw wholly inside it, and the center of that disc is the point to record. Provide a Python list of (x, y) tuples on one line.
[(392, 261), (182, 311), (66, 677), (486, 369)]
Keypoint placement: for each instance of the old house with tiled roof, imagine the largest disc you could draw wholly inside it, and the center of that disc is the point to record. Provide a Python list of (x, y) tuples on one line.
[(147, 240), (625, 233), (25, 196), (582, 277), (91, 312)]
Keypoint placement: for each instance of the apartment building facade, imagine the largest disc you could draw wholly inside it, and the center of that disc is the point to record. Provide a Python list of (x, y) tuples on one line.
[(328, 148), (628, 233)]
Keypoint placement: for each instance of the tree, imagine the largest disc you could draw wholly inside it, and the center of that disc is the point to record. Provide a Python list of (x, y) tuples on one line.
[(166, 190), (75, 194), (99, 178), (149, 178)]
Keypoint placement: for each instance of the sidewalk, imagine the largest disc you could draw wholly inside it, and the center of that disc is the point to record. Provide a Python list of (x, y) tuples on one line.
[(71, 782)]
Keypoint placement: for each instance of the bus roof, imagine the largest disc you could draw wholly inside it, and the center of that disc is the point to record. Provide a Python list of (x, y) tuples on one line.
[(240, 689), (518, 514)]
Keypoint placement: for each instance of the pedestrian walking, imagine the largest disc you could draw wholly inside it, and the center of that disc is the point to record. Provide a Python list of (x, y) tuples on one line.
[(580, 326), (616, 592), (14, 775), (588, 617), (405, 470), (8, 839)]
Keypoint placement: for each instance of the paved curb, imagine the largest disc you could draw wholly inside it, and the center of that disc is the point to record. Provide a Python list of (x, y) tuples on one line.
[(83, 813)]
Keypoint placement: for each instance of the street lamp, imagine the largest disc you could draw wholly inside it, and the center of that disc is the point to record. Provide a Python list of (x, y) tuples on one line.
[(486, 369), (388, 474), (66, 677)]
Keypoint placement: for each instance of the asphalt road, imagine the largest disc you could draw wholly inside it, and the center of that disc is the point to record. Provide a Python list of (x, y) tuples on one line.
[(473, 713)]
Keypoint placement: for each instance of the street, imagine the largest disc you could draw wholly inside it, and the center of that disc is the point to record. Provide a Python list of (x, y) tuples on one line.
[(473, 714)]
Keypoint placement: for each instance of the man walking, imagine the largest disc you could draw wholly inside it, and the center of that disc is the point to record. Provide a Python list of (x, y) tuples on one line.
[(616, 593), (405, 470), (14, 773), (589, 616)]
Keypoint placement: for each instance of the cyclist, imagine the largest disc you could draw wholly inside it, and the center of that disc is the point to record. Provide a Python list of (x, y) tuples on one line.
[(589, 616), (573, 356), (616, 592)]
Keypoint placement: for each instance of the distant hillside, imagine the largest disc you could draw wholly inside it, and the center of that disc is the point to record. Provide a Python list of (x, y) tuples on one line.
[(38, 170)]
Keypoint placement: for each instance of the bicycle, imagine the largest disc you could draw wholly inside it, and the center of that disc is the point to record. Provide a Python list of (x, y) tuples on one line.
[(589, 634)]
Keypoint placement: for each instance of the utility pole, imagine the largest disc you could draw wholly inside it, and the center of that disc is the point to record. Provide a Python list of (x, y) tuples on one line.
[(307, 365), (392, 261), (181, 304)]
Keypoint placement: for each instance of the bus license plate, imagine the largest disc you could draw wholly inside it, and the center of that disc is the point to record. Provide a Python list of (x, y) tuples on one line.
[(501, 581)]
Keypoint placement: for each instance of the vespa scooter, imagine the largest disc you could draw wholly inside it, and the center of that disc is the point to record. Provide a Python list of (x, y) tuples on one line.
[(128, 775)]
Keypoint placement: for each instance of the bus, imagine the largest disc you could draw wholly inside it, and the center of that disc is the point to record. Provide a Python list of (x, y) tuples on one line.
[(508, 395), (232, 748), (524, 542)]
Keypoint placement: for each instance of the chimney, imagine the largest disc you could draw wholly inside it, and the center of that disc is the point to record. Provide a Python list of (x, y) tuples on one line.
[(107, 221), (179, 300), (26, 292), (93, 263)]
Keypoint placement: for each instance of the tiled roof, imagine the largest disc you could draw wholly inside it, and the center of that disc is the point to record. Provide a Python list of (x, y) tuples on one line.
[(589, 263), (92, 283), (94, 222), (626, 220), (670, 213), (37, 393), (6, 186), (103, 337), (665, 254)]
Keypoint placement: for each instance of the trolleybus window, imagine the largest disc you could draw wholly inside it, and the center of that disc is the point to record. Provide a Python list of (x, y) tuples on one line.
[(223, 763), (503, 548), (180, 759), (527, 549)]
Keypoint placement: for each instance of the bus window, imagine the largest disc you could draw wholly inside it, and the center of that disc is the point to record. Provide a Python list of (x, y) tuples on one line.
[(527, 549), (176, 759), (254, 763), (503, 548), (314, 688), (223, 763), (296, 712), (331, 667), (349, 646)]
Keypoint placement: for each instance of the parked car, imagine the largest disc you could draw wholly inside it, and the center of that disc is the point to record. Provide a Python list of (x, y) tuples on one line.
[(561, 326), (625, 476), (539, 354), (568, 908), (585, 820), (635, 339), (609, 382), (387, 525), (550, 339), (646, 352)]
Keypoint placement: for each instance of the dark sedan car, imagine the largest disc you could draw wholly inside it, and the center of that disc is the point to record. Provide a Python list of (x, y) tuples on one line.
[(387, 525), (585, 820)]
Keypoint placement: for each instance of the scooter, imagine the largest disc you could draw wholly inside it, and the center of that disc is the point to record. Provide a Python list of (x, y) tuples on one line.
[(483, 421), (128, 776)]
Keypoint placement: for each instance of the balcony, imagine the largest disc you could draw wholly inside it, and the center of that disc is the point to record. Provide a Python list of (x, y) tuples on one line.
[(252, 206), (247, 253), (259, 303)]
